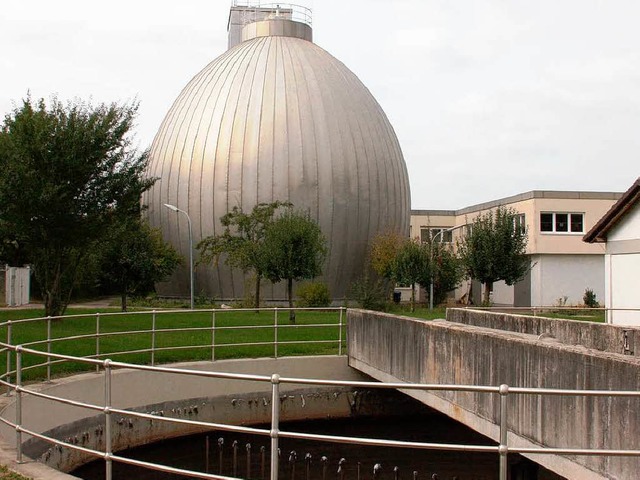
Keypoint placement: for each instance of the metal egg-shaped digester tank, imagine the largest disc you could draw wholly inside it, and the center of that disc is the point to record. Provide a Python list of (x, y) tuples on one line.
[(276, 118)]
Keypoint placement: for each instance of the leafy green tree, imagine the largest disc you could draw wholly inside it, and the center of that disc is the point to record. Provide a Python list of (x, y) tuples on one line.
[(297, 250), (448, 270), (68, 173), (242, 241), (411, 265), (495, 249), (135, 258)]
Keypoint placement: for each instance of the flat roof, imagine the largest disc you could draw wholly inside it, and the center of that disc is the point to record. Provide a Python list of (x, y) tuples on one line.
[(557, 194)]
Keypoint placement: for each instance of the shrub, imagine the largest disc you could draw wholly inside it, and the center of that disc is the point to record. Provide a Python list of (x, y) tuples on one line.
[(370, 294), (313, 294), (589, 299)]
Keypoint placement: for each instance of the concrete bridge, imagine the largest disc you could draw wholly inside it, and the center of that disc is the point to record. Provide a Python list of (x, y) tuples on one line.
[(484, 348)]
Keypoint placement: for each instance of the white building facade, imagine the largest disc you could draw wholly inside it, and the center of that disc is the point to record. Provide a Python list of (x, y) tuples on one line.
[(619, 231)]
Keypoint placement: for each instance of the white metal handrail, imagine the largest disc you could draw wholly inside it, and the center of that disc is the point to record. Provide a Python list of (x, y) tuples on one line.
[(106, 366)]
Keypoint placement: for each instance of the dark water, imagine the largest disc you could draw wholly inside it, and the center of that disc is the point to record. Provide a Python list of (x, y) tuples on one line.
[(189, 453)]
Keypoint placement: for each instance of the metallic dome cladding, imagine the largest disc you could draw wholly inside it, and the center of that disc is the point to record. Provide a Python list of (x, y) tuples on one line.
[(277, 118)]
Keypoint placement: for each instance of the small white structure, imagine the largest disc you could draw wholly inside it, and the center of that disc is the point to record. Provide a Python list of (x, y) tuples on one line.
[(17, 282), (619, 229)]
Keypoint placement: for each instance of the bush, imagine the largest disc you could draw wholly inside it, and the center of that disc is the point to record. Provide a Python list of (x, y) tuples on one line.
[(313, 294), (589, 299), (370, 294)]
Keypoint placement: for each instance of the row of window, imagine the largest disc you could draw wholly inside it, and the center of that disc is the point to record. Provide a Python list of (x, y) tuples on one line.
[(562, 222), (550, 222)]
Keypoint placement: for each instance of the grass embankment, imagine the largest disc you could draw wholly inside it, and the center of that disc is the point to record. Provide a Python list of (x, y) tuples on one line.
[(231, 328), (6, 474)]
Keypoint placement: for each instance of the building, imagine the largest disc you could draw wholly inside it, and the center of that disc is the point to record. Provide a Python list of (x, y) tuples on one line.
[(276, 117), (619, 231), (562, 265)]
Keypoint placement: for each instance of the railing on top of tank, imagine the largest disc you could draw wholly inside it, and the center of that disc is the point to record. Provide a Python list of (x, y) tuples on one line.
[(176, 335), (502, 393), (255, 10)]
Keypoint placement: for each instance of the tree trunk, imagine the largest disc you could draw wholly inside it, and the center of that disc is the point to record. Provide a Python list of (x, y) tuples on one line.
[(488, 288), (257, 304), (413, 297), (123, 299), (292, 314)]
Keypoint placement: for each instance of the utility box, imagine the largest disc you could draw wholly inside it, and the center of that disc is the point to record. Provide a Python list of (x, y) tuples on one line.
[(17, 286)]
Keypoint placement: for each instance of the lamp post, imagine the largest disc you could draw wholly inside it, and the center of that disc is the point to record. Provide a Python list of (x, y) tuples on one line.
[(433, 241), (177, 210)]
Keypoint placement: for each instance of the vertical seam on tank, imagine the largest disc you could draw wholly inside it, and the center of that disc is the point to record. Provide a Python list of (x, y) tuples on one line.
[(164, 136), (354, 83), (258, 53), (186, 95), (206, 88), (286, 116), (258, 154), (297, 53), (287, 44), (237, 58), (246, 64), (328, 65), (324, 97)]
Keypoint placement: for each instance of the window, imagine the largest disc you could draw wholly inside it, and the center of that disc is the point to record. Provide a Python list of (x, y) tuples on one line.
[(560, 222), (519, 222), (441, 234)]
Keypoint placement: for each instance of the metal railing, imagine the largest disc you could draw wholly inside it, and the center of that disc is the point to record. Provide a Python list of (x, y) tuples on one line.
[(106, 367), (255, 11), (276, 341)]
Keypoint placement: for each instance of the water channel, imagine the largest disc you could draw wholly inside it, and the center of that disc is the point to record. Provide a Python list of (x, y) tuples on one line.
[(229, 455)]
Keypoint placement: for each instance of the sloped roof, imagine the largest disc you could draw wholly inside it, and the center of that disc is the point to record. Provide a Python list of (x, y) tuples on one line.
[(599, 232)]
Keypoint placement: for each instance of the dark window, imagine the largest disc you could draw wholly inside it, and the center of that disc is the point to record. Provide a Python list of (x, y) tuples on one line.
[(424, 235), (546, 222), (577, 224), (562, 222)]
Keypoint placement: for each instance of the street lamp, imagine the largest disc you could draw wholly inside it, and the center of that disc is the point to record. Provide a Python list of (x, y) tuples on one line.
[(433, 241), (176, 209)]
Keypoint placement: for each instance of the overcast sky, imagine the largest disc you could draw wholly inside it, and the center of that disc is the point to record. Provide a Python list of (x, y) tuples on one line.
[(488, 98)]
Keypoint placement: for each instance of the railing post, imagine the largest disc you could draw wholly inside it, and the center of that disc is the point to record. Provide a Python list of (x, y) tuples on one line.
[(275, 332), (19, 403), (213, 335), (48, 348), (107, 420), (340, 334), (153, 338), (275, 423), (97, 341), (503, 449), (8, 375)]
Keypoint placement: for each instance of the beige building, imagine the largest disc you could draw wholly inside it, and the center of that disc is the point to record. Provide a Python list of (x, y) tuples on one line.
[(562, 265)]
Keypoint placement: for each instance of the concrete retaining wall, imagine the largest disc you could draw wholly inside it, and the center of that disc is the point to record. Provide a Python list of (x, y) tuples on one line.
[(179, 396), (395, 348), (596, 336)]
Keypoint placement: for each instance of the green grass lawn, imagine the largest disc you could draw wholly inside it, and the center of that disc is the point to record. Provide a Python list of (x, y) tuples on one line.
[(180, 336), (187, 336)]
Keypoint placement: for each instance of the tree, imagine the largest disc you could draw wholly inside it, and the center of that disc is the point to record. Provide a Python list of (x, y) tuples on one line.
[(495, 249), (411, 266), (68, 173), (135, 258), (242, 241), (383, 252), (297, 250), (447, 268)]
